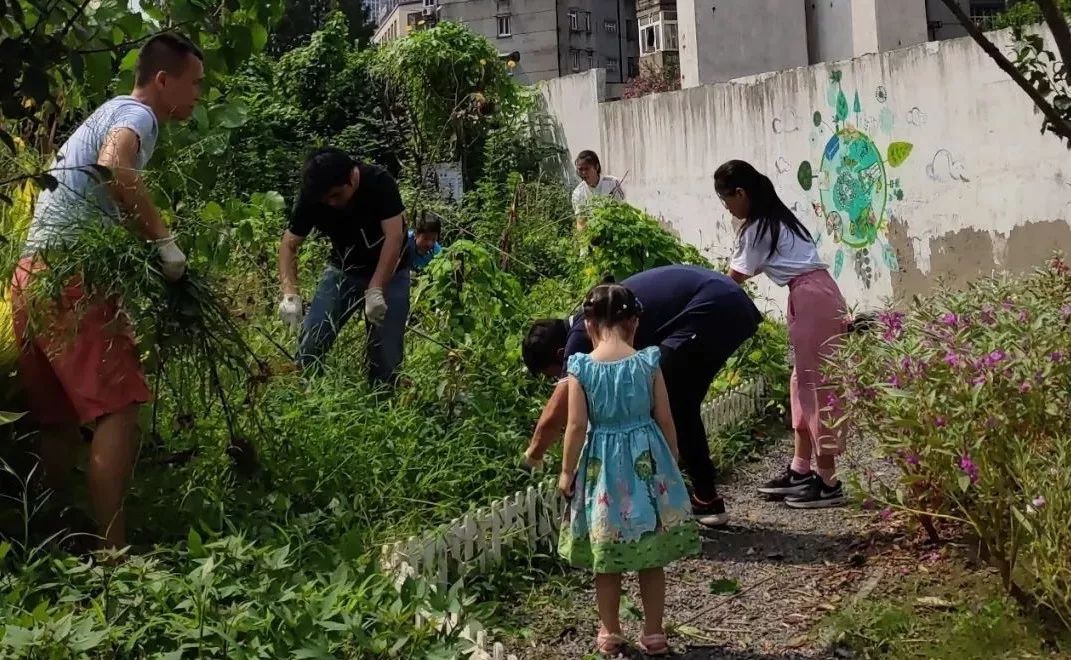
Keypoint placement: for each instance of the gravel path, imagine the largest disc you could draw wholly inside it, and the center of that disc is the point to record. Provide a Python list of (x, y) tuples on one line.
[(790, 569)]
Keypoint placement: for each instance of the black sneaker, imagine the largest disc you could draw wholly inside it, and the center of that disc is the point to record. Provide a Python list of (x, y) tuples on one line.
[(710, 514), (790, 483), (818, 496)]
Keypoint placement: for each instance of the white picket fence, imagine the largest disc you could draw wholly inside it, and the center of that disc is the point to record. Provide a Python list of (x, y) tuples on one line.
[(528, 519)]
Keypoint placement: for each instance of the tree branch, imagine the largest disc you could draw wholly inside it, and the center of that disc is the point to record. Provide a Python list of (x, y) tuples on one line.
[(1061, 33), (1058, 125)]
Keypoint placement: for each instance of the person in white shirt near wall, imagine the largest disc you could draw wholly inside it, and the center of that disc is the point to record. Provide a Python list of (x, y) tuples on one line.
[(593, 183), (772, 241)]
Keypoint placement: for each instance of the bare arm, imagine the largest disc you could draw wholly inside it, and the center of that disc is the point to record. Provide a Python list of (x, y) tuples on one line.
[(288, 271), (119, 154), (393, 240), (738, 277), (551, 422), (577, 428), (662, 414)]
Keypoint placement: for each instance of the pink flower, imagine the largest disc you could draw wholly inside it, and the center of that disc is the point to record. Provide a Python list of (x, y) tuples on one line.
[(1065, 311), (950, 319), (940, 422), (953, 360), (869, 504), (1024, 387), (894, 380), (1024, 316), (911, 458), (1056, 356), (894, 324), (1039, 502), (969, 468), (831, 400), (886, 513), (995, 358)]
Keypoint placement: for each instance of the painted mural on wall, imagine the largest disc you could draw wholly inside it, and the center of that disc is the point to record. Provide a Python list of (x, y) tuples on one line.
[(851, 185)]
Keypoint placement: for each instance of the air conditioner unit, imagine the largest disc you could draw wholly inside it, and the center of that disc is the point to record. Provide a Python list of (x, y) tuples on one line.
[(430, 12)]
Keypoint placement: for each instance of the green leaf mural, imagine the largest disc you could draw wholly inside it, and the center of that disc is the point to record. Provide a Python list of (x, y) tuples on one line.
[(838, 263), (842, 107), (817, 119), (858, 106), (805, 175), (899, 152)]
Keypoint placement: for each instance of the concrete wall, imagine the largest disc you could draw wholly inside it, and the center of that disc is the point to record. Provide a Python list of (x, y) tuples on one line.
[(898, 24), (842, 29), (727, 39), (574, 101), (932, 151)]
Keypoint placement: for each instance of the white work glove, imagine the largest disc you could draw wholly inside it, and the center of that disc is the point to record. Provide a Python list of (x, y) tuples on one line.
[(172, 261), (291, 312), (375, 307)]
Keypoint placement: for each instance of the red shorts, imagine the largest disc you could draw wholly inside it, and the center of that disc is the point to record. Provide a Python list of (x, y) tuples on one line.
[(81, 362)]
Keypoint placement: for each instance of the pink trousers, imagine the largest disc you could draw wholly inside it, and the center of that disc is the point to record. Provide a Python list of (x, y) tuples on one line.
[(817, 318)]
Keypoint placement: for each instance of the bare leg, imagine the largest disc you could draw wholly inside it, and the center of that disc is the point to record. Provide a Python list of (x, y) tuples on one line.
[(59, 452), (111, 463), (804, 449), (608, 596), (653, 595)]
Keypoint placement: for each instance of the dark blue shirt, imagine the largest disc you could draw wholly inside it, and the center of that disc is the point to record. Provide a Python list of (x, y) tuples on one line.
[(680, 303)]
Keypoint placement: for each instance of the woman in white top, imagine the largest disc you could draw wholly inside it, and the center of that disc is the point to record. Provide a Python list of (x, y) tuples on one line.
[(772, 241), (592, 184)]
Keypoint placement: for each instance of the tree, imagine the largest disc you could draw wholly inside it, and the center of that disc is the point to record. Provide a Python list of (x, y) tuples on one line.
[(304, 17), (56, 58), (1043, 77)]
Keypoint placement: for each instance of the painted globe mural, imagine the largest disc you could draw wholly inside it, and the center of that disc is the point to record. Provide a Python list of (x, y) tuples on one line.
[(855, 189)]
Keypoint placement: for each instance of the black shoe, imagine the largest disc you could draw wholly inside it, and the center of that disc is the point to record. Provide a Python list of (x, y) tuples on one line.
[(710, 514), (790, 483), (818, 496)]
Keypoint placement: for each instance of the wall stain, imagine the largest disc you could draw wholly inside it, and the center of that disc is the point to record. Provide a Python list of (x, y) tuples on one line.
[(959, 257)]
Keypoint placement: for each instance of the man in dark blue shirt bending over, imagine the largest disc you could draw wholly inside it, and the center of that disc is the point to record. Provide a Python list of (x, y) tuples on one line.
[(698, 318)]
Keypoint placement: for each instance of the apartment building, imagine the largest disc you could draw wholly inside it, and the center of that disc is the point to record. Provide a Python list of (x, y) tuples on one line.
[(553, 37), (719, 40)]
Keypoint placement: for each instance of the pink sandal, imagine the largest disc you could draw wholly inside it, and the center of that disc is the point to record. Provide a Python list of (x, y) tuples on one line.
[(609, 644), (655, 644)]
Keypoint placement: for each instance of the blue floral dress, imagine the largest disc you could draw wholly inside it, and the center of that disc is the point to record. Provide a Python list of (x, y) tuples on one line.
[(630, 508)]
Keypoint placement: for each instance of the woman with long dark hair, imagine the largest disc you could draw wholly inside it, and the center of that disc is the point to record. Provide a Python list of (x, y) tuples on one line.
[(773, 242)]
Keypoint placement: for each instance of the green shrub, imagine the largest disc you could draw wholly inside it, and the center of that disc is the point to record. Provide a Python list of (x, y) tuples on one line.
[(968, 392)]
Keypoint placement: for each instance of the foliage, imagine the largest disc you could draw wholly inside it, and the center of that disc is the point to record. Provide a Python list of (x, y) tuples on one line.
[(220, 596), (452, 85), (624, 240), (63, 59), (946, 608), (1023, 13), (967, 392), (653, 80), (302, 18)]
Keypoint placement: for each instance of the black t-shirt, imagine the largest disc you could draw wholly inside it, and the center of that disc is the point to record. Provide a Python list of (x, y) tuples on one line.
[(680, 303), (356, 231)]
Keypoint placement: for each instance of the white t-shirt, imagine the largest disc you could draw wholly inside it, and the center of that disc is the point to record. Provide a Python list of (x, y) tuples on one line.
[(794, 256), (80, 196), (608, 187)]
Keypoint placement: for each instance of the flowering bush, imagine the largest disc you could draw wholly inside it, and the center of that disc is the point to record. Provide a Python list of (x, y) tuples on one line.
[(969, 393)]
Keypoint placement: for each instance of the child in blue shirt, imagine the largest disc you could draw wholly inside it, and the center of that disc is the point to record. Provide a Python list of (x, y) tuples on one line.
[(424, 241)]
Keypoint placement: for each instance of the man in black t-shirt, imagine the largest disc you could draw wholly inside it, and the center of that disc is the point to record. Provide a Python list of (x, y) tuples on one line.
[(358, 207), (698, 318)]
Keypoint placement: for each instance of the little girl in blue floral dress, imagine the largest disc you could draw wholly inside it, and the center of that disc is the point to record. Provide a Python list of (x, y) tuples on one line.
[(629, 508)]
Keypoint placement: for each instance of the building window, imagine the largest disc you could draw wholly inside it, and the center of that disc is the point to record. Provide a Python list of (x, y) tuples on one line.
[(658, 32), (429, 3), (502, 7), (574, 20), (630, 30), (575, 54), (590, 59), (611, 64), (633, 70), (504, 27), (610, 26), (587, 22)]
